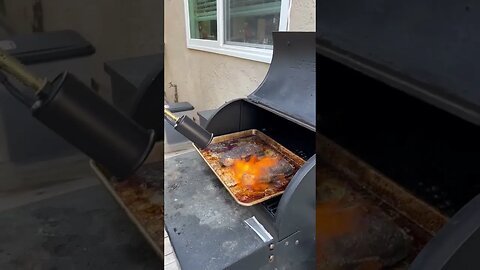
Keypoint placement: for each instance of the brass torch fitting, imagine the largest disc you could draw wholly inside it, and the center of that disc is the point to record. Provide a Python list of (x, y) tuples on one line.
[(12, 66), (170, 114)]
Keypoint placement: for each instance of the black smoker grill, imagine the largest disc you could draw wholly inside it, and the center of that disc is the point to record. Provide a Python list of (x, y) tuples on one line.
[(207, 228), (398, 89)]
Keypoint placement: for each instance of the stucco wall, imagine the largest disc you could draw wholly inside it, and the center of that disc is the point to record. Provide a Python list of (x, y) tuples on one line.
[(207, 80)]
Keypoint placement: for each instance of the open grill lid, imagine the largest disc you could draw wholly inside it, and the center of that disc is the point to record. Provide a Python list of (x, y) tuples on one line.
[(289, 86), (429, 49)]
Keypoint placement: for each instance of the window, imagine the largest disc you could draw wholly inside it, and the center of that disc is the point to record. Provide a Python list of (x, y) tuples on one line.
[(203, 19), (240, 28)]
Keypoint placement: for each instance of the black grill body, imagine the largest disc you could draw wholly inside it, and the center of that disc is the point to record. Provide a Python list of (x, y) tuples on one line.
[(398, 91), (283, 107)]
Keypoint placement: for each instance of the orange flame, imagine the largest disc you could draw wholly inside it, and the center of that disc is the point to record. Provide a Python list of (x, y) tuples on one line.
[(253, 173), (335, 219)]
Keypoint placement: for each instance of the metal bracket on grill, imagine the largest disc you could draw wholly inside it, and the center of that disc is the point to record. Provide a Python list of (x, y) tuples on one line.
[(259, 229)]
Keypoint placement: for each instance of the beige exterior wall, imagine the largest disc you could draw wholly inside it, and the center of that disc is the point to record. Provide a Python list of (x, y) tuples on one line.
[(207, 80)]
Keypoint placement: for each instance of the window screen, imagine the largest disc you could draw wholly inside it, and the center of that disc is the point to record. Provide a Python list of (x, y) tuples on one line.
[(203, 19), (251, 22)]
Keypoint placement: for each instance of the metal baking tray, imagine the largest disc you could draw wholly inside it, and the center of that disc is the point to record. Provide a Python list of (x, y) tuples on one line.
[(141, 196), (242, 195), (352, 197)]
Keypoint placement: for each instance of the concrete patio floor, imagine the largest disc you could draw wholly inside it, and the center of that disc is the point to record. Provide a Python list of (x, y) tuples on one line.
[(71, 225)]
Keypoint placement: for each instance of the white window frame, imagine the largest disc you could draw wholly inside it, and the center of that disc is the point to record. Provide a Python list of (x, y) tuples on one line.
[(219, 46)]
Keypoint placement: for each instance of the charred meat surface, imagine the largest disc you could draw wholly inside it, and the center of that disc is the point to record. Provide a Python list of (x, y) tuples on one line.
[(241, 151), (282, 167)]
